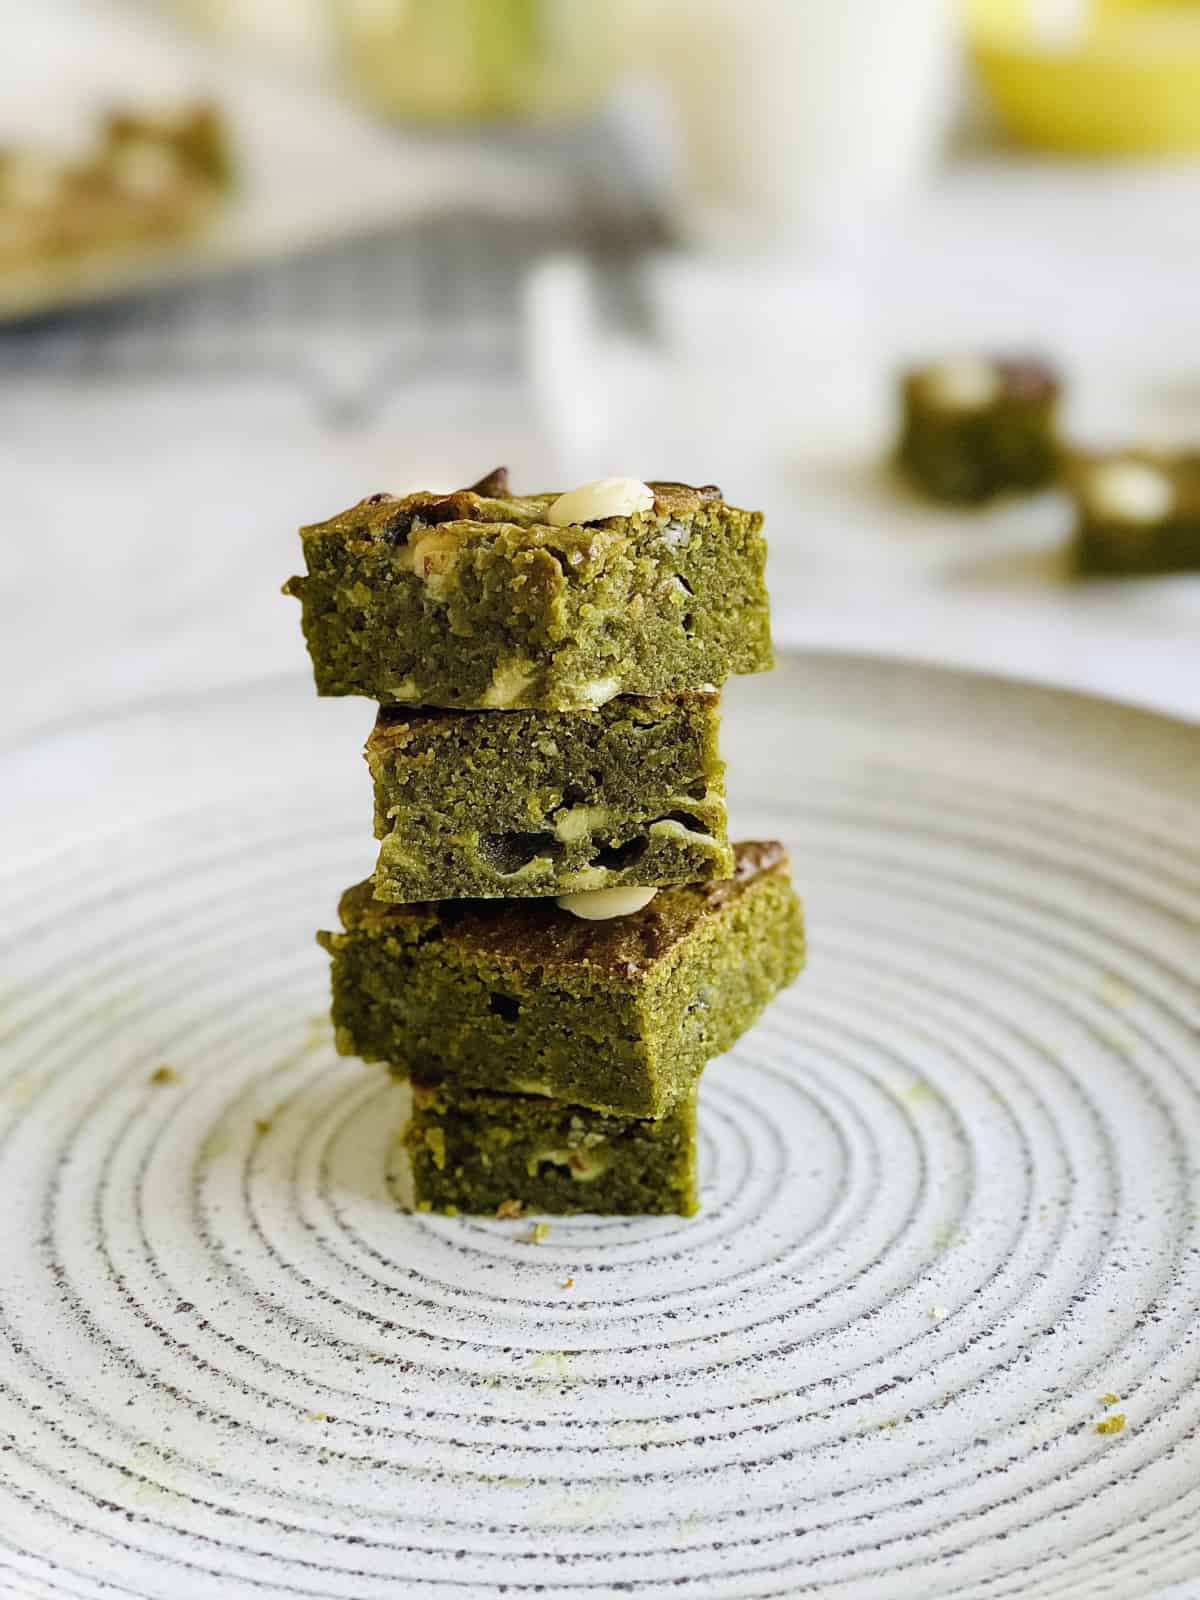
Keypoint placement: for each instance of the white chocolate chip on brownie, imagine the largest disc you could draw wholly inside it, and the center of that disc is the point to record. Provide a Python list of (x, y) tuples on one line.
[(601, 904), (593, 502), (967, 384), (1132, 491)]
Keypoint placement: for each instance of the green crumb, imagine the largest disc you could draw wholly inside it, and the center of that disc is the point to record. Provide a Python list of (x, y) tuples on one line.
[(1116, 1042), (555, 1362), (921, 1090), (1113, 1424), (1110, 1399), (1116, 990), (263, 1125), (165, 1074), (539, 1233), (509, 1209)]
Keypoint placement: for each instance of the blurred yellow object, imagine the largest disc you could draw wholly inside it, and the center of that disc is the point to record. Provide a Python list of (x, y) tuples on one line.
[(479, 60), (1092, 77)]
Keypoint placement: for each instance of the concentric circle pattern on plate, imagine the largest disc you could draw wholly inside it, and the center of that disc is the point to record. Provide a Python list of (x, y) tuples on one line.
[(951, 1193)]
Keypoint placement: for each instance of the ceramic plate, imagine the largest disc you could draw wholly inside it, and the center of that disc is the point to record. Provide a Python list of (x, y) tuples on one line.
[(935, 1331)]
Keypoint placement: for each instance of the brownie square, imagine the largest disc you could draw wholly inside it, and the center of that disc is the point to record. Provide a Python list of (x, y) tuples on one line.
[(521, 996), (469, 803), (978, 427), (478, 600), (1137, 512), (468, 1150)]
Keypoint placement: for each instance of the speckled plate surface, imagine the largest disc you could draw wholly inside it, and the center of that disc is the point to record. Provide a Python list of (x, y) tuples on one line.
[(935, 1332)]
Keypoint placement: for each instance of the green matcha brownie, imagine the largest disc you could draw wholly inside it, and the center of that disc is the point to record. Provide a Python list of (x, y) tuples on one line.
[(977, 427), (1138, 512), (470, 1150), (468, 803), (524, 996), (482, 600)]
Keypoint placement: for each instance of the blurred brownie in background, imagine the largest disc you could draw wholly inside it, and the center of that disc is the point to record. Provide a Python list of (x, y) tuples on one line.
[(975, 427), (1137, 511)]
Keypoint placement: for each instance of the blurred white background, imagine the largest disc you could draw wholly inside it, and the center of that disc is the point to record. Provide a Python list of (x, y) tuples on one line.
[(686, 241)]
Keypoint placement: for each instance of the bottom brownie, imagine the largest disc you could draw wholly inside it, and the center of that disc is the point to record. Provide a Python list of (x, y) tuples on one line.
[(475, 1151)]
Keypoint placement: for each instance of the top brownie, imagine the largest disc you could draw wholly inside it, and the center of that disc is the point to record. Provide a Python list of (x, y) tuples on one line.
[(481, 600)]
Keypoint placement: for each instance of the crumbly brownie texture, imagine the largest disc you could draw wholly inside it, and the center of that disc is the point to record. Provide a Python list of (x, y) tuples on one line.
[(977, 428), (520, 996), (472, 1151), (473, 601), (468, 803), (1138, 511)]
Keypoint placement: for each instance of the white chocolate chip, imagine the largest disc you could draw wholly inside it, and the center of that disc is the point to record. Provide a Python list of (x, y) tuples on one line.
[(1130, 490), (585, 880), (432, 555), (540, 866), (596, 692), (508, 685), (668, 828), (967, 384), (583, 1165), (601, 904), (593, 502), (576, 822)]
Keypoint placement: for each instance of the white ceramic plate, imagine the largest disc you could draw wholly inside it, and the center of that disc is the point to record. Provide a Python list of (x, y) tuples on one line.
[(951, 1191)]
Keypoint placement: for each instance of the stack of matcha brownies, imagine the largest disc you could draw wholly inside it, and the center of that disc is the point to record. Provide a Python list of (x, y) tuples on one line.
[(558, 934)]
